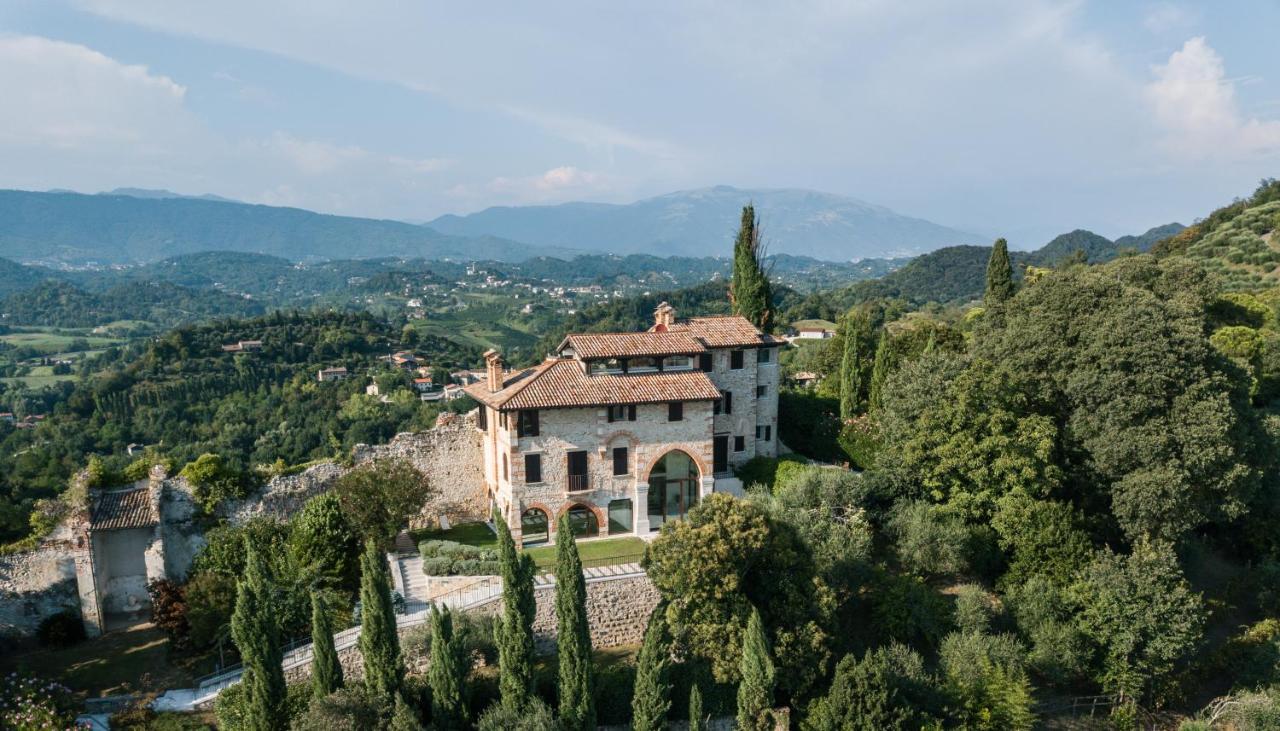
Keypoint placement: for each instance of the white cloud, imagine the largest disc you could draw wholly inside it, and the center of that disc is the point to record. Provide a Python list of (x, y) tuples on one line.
[(1195, 104), (65, 95)]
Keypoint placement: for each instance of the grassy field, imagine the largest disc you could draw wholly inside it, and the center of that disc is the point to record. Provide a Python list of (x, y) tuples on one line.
[(471, 534), (40, 376), (123, 661), (55, 340), (602, 552)]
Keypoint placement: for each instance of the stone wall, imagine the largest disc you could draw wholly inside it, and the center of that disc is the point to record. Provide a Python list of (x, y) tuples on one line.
[(38, 583), (448, 455)]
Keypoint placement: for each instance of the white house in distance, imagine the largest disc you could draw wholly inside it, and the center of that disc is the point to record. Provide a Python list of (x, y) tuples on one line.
[(625, 431)]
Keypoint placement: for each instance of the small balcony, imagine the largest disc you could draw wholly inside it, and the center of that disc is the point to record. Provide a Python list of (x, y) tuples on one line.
[(579, 483)]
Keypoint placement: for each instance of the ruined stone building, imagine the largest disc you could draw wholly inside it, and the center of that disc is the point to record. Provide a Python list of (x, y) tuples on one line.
[(626, 431)]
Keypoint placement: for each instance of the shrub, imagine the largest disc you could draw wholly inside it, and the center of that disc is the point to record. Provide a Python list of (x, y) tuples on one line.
[(535, 717), (169, 610), (1251, 658), (614, 685), (214, 481), (63, 629), (1060, 652), (28, 703), (448, 558), (325, 544), (860, 441), (975, 608), (231, 708), (210, 599), (929, 540), (909, 611)]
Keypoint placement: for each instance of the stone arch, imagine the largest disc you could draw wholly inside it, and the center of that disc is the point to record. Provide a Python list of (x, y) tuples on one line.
[(532, 511), (692, 454), (602, 518)]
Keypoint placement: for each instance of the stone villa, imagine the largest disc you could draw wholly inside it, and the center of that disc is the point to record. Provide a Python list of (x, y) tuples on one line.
[(626, 431)]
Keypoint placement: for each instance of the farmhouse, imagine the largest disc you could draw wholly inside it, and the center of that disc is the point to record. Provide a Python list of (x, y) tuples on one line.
[(626, 431)]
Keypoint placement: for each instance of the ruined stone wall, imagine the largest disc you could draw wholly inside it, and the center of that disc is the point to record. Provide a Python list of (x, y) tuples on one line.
[(38, 583), (448, 455)]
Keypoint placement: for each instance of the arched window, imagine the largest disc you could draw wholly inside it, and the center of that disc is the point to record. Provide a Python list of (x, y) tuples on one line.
[(533, 526), (583, 521), (673, 488)]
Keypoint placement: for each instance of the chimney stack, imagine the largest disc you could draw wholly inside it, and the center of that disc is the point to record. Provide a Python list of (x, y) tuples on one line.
[(493, 363), (664, 317)]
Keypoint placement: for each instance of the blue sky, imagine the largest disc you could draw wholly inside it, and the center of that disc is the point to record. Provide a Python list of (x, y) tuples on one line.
[(1017, 117)]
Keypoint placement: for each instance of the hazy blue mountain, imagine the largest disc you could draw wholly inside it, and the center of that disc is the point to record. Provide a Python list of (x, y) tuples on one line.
[(1144, 241), (160, 194), (70, 228), (1096, 248), (702, 223)]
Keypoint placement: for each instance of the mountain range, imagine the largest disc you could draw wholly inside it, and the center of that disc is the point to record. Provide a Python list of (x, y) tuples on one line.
[(703, 222)]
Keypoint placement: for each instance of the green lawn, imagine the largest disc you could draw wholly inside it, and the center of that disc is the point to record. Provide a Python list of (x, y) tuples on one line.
[(471, 534), (40, 376), (604, 552), (117, 662), (55, 341)]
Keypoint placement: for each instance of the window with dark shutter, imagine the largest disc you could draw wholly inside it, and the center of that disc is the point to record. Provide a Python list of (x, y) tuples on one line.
[(620, 413), (533, 468), (728, 401), (705, 362), (735, 360), (620, 461), (739, 444), (675, 411), (768, 433), (527, 423), (762, 391), (717, 406), (631, 412), (762, 355), (482, 418)]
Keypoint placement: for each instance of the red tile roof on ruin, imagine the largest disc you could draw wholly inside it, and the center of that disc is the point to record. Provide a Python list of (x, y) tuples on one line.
[(122, 509), (563, 382)]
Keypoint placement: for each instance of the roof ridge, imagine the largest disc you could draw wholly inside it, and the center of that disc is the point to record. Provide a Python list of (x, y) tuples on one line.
[(539, 370)]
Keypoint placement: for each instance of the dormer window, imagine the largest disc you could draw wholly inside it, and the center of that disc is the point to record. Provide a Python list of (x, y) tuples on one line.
[(607, 365), (642, 365), (678, 363)]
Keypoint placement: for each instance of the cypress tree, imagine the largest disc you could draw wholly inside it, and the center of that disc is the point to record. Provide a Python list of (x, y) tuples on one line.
[(755, 692), (577, 706), (651, 697), (749, 290), (851, 386), (880, 370), (257, 637), (326, 671), (447, 674), (513, 631), (403, 718), (379, 644), (999, 276), (697, 721)]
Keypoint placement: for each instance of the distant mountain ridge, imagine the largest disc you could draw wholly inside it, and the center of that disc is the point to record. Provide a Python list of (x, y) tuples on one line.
[(702, 222), (76, 229)]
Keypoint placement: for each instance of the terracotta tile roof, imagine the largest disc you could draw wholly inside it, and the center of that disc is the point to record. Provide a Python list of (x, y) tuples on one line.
[(631, 345), (724, 331), (562, 382), (123, 509)]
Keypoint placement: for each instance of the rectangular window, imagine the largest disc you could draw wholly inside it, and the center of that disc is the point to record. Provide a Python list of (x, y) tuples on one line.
[(739, 444), (762, 391), (617, 413), (705, 362), (675, 411), (727, 397), (677, 362), (620, 466), (719, 453), (482, 418), (759, 432), (527, 423), (631, 412), (532, 468), (717, 406), (762, 355), (577, 471), (735, 360), (764, 432), (505, 468)]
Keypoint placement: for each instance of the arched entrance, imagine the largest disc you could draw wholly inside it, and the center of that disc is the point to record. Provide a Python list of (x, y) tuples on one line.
[(583, 521), (534, 526), (673, 488)]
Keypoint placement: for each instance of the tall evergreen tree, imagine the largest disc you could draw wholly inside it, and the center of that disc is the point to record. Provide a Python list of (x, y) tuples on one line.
[(447, 674), (651, 697), (697, 720), (256, 633), (513, 631), (880, 371), (404, 718), (749, 291), (856, 331), (326, 671), (999, 276), (577, 705), (755, 692), (379, 643)]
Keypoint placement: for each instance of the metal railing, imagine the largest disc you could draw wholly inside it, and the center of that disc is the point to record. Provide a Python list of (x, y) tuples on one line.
[(578, 483)]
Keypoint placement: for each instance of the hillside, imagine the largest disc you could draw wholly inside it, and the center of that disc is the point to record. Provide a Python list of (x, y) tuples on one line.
[(1239, 242), (15, 277), (702, 222), (69, 228), (62, 304)]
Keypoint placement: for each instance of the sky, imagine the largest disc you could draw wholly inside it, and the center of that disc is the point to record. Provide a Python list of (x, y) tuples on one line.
[(1022, 118)]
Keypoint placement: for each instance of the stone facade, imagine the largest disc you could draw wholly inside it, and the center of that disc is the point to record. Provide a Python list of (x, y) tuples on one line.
[(38, 583)]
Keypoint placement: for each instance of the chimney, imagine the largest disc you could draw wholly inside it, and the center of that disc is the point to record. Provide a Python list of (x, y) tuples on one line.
[(493, 363), (664, 317)]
